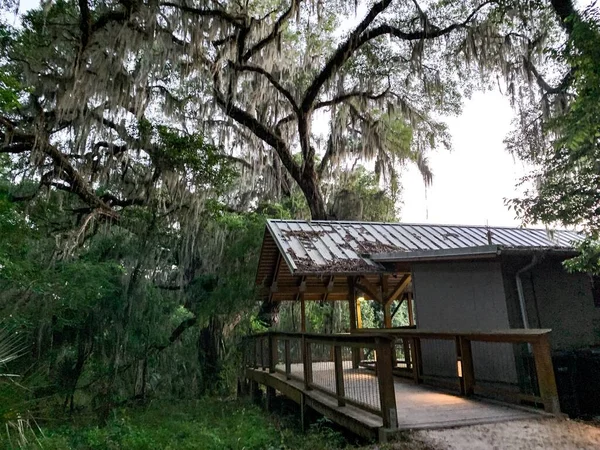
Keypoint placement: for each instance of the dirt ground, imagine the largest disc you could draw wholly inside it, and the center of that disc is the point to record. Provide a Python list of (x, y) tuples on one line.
[(542, 434)]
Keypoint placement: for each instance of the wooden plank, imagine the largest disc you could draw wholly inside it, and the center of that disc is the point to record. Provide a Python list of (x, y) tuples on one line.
[(468, 370), (302, 314), (387, 315), (385, 378), (274, 277), (273, 352), (339, 375), (404, 282), (307, 363), (288, 359), (545, 374), (372, 291)]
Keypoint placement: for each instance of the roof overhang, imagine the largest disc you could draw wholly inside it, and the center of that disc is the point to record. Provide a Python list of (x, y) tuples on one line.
[(481, 252)]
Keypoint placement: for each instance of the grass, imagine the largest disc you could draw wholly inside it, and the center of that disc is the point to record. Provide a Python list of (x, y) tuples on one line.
[(209, 424)]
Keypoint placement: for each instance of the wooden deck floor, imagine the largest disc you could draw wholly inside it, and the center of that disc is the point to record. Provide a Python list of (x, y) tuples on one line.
[(419, 406)]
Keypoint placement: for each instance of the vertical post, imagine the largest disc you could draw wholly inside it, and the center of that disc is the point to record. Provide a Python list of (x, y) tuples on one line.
[(467, 381), (270, 398), (339, 375), (273, 352), (262, 352), (545, 374), (307, 360), (255, 342), (407, 352), (385, 378), (353, 305), (387, 315), (288, 360), (302, 313), (415, 354), (409, 304), (255, 391)]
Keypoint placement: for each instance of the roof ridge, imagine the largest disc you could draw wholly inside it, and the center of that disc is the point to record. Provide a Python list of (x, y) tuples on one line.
[(492, 227)]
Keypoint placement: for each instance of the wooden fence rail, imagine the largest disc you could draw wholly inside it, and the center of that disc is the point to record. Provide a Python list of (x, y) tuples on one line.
[(377, 392), (313, 358), (538, 349)]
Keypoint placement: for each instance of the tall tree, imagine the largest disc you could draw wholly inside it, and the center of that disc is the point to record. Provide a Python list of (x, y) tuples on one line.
[(268, 81)]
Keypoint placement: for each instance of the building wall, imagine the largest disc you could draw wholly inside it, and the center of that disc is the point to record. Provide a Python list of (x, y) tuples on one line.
[(463, 296), (555, 299)]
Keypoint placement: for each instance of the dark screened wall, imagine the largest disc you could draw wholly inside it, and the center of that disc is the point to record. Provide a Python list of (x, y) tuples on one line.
[(555, 299), (463, 296)]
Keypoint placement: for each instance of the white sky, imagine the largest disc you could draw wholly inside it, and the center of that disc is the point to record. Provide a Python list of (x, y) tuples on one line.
[(471, 182)]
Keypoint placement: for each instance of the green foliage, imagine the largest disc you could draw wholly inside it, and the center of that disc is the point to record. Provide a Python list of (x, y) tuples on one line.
[(566, 185), (191, 154), (358, 195), (205, 424)]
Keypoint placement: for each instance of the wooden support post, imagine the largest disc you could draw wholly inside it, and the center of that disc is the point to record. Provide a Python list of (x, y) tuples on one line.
[(385, 378), (270, 401), (407, 352), (302, 314), (288, 360), (467, 382), (262, 353), (387, 315), (273, 352), (339, 375), (415, 356), (409, 304), (307, 362), (354, 312), (255, 342), (545, 374), (255, 392), (303, 418)]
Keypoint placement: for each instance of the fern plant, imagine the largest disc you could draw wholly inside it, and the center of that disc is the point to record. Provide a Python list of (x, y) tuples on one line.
[(20, 427)]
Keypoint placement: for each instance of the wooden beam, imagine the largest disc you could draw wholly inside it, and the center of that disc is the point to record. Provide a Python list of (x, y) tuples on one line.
[(411, 316), (387, 315), (352, 303), (329, 288), (354, 321), (403, 284), (302, 313), (275, 276), (374, 292)]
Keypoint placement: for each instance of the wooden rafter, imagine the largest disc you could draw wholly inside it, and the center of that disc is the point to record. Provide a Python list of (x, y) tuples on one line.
[(370, 289), (400, 287), (329, 286), (275, 276)]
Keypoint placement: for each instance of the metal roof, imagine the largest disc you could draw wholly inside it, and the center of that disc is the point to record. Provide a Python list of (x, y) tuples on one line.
[(346, 247)]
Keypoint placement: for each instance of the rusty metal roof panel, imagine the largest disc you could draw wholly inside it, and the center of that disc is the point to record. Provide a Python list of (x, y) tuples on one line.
[(344, 247)]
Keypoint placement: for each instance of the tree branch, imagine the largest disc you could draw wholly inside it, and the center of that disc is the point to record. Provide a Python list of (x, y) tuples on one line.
[(262, 132), (274, 32), (236, 21), (252, 68), (341, 55)]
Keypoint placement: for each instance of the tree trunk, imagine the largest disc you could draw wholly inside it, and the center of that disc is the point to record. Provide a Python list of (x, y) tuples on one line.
[(310, 188)]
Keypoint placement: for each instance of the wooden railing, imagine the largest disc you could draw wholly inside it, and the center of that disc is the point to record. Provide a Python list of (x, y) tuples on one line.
[(409, 345), (325, 363)]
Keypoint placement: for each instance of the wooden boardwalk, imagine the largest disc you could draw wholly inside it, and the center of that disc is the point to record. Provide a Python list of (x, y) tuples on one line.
[(418, 406)]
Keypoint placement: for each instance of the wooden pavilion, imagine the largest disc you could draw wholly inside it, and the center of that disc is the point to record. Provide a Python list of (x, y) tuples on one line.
[(343, 261), (301, 263)]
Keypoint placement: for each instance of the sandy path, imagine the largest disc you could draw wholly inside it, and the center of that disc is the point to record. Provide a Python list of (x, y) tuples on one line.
[(542, 434)]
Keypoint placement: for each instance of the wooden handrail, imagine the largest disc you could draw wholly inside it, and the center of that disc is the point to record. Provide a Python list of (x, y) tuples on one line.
[(384, 376), (383, 341), (538, 339), (508, 336)]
